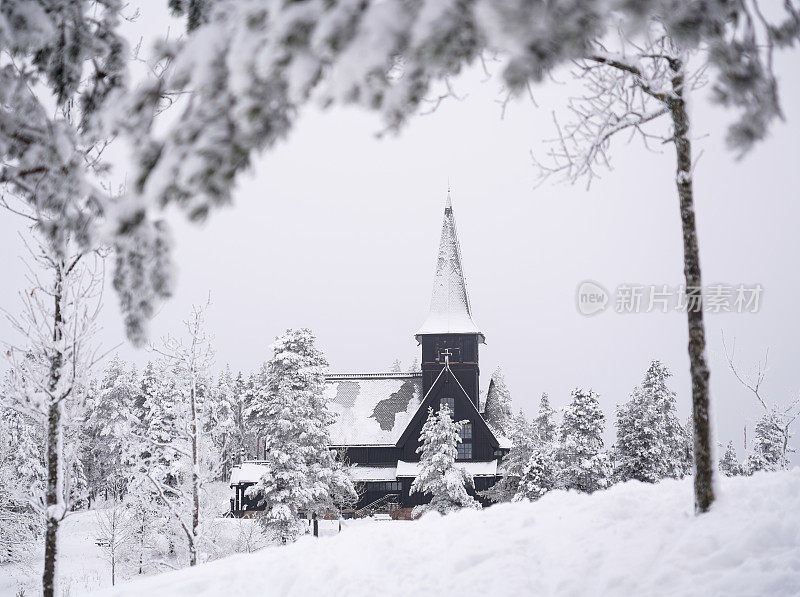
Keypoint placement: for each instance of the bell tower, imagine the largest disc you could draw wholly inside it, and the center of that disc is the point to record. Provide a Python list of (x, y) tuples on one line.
[(449, 335)]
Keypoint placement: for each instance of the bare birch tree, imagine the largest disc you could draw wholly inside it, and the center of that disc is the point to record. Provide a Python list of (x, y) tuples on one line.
[(50, 362), (191, 361), (778, 418), (629, 92), (115, 527)]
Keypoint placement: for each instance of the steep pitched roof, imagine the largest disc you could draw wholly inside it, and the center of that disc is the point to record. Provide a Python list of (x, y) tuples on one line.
[(450, 311), (371, 408)]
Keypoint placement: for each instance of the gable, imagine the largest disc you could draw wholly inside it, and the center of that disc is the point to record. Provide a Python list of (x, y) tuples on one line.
[(447, 383), (371, 408)]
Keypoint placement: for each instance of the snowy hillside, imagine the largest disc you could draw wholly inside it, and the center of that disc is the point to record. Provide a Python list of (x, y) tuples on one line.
[(633, 539)]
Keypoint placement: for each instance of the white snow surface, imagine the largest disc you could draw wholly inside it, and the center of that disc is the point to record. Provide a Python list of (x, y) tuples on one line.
[(476, 469), (633, 539)]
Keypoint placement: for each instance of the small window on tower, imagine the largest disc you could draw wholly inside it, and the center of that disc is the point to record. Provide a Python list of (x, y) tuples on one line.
[(450, 403)]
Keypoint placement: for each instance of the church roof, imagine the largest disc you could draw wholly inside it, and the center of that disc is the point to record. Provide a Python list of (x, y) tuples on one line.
[(450, 311), (371, 408)]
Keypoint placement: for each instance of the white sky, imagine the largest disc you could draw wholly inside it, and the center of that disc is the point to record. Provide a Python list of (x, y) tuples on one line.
[(337, 231)]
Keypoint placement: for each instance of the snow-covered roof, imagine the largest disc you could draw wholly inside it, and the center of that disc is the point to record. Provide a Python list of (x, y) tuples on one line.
[(371, 408), (505, 442), (247, 472), (251, 472), (373, 473), (476, 469), (450, 311)]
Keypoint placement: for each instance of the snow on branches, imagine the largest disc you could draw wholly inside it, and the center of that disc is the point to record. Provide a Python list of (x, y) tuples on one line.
[(302, 473), (439, 476), (252, 66)]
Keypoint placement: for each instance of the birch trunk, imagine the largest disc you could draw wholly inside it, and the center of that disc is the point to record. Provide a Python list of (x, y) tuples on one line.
[(704, 467), (195, 474), (53, 498)]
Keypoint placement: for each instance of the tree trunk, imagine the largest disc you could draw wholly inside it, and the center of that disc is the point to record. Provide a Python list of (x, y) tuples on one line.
[(195, 476), (704, 468), (53, 513)]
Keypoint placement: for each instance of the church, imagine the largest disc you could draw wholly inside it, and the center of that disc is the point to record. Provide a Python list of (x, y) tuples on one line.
[(379, 416)]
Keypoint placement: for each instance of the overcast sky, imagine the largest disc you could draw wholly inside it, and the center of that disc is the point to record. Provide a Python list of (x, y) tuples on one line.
[(337, 230)]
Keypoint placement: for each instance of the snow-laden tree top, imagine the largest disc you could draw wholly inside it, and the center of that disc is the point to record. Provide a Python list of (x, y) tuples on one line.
[(450, 311)]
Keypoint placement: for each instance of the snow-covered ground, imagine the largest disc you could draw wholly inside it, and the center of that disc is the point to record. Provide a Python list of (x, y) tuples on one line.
[(633, 539)]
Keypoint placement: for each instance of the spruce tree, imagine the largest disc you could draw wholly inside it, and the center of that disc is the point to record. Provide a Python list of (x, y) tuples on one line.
[(650, 439), (497, 411), (729, 464), (539, 476), (769, 449), (301, 472), (524, 442), (546, 428), (583, 463), (439, 476), (111, 419)]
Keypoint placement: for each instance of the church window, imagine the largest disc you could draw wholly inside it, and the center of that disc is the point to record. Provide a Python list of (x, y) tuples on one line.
[(465, 445), (449, 403)]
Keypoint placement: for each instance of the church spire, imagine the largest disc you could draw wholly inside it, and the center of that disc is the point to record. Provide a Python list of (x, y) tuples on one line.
[(450, 311)]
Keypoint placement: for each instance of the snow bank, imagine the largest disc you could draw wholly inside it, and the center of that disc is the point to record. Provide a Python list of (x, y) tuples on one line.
[(633, 539)]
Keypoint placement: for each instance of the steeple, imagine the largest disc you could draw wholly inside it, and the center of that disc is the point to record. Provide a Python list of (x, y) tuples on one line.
[(450, 311)]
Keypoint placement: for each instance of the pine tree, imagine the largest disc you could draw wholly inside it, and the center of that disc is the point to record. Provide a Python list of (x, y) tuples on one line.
[(729, 464), (650, 439), (524, 442), (438, 475), (583, 464), (538, 478), (498, 411), (546, 428), (109, 425), (639, 452), (241, 401), (289, 406), (219, 425), (769, 449), (22, 470)]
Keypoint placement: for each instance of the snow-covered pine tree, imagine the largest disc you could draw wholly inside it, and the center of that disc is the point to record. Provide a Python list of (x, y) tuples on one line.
[(639, 453), (546, 428), (109, 424), (583, 463), (671, 432), (498, 412), (22, 470), (538, 477), (769, 450), (524, 442), (650, 439), (219, 424), (729, 464), (439, 476), (241, 440), (301, 472)]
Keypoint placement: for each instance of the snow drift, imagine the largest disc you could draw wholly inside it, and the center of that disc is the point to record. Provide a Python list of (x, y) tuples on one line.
[(633, 539)]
